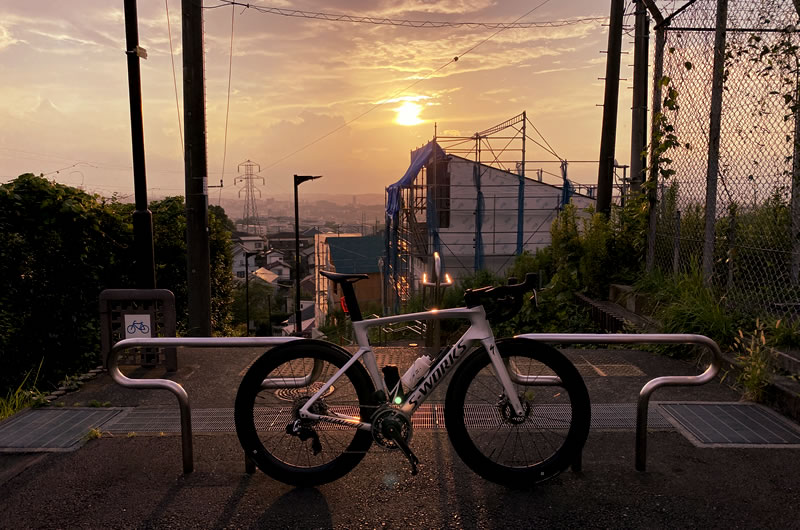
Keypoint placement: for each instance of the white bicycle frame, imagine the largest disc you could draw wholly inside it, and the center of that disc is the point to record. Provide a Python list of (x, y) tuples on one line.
[(479, 332)]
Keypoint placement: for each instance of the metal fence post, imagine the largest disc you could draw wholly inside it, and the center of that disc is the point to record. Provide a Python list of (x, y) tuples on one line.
[(676, 244), (731, 244), (713, 140), (795, 209), (658, 73)]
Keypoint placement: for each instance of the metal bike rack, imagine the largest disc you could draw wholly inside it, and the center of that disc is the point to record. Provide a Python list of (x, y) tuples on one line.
[(557, 338), (653, 384), (176, 388)]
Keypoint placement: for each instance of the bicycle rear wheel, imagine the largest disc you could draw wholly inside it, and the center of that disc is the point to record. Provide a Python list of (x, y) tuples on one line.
[(280, 382), (518, 450)]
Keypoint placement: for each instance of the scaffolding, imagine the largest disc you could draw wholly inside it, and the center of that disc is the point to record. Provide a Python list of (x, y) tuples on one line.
[(469, 199)]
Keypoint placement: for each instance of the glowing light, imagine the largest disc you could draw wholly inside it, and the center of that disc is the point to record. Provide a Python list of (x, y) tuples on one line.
[(398, 400), (408, 114)]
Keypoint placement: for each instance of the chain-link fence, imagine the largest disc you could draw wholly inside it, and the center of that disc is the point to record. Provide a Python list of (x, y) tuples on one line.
[(746, 248)]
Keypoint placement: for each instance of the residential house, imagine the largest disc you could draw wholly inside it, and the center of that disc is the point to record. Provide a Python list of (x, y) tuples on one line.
[(239, 267), (307, 311), (361, 254), (282, 269)]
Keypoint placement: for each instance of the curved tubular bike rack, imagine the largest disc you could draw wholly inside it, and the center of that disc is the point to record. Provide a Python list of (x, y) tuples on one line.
[(176, 388), (653, 384)]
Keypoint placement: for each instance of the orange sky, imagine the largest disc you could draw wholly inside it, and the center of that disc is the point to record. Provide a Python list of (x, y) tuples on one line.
[(64, 97)]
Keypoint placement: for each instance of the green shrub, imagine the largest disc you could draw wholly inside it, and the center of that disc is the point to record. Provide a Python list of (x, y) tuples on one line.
[(59, 248)]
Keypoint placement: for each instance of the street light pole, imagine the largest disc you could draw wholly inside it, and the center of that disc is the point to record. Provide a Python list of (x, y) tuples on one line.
[(298, 179)]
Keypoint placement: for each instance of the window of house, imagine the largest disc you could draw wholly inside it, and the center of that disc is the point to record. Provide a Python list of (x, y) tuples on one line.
[(240, 274)]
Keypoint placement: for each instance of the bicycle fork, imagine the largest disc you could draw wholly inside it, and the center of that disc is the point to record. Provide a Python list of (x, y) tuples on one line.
[(502, 370)]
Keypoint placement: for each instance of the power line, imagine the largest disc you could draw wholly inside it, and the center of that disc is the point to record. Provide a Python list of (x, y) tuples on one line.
[(174, 79), (227, 112), (398, 92), (336, 17)]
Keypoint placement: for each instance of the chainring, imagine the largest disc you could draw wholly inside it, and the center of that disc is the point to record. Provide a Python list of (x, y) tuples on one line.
[(385, 418)]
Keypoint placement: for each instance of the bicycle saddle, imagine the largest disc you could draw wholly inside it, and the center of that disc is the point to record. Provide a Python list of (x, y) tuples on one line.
[(341, 277)]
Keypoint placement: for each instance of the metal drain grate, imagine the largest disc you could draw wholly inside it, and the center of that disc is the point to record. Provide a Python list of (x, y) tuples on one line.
[(610, 416), (42, 430), (605, 416), (157, 420), (732, 425)]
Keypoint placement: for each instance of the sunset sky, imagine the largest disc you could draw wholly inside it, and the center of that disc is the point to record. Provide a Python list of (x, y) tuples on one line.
[(64, 95)]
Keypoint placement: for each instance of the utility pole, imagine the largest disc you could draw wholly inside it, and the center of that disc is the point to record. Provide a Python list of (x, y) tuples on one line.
[(198, 255), (605, 174), (144, 259), (639, 111)]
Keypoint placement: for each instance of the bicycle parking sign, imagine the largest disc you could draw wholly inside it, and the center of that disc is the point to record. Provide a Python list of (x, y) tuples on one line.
[(137, 326)]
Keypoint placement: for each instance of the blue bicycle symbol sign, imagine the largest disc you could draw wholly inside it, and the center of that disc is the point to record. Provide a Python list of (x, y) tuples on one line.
[(138, 327)]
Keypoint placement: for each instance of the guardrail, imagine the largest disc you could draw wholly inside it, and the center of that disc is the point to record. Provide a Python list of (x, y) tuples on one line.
[(176, 388), (648, 389)]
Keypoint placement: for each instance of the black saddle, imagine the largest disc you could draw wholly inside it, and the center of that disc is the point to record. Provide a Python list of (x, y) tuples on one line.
[(341, 277)]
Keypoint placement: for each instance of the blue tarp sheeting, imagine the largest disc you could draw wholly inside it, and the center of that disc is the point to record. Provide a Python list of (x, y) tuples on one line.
[(419, 158), (567, 189)]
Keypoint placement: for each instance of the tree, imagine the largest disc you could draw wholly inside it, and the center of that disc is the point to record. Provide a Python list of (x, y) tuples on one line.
[(59, 247)]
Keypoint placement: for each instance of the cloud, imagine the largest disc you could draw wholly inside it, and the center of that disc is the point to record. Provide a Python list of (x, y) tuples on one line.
[(6, 39)]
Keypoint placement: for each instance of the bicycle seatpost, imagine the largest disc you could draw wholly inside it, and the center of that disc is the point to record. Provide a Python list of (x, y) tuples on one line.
[(349, 294)]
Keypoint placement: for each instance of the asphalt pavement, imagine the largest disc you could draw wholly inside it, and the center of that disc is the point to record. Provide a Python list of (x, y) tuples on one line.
[(136, 481)]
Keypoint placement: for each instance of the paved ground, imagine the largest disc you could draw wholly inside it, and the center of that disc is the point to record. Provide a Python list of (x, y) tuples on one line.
[(136, 482)]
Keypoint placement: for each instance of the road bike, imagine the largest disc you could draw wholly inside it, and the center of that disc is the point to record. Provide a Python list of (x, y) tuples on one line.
[(516, 411)]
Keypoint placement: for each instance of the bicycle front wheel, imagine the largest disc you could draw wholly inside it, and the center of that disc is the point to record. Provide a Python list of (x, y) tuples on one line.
[(510, 449), (300, 451)]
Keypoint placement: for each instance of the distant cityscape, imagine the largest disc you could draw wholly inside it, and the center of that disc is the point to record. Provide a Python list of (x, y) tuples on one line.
[(363, 214)]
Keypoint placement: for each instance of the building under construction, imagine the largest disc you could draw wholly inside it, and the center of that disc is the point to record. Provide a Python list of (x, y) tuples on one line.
[(472, 202)]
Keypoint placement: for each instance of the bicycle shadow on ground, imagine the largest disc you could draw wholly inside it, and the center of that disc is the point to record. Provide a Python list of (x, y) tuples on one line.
[(297, 508)]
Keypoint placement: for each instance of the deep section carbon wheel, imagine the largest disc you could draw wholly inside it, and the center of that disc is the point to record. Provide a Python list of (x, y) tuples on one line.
[(292, 449), (525, 449)]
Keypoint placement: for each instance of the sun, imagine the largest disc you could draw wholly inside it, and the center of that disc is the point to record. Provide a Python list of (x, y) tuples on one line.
[(408, 114)]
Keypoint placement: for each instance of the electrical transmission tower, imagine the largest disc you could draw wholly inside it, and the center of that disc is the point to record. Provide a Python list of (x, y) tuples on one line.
[(250, 212)]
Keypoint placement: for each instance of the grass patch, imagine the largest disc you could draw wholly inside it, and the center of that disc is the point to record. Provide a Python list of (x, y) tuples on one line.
[(23, 396), (755, 358)]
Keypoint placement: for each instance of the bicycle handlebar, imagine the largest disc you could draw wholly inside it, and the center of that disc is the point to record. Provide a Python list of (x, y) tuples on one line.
[(511, 295)]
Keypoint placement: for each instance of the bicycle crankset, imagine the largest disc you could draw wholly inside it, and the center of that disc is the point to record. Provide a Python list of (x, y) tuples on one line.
[(393, 430)]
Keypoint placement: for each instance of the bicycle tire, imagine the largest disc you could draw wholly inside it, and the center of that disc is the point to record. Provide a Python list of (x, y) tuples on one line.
[(489, 440), (262, 415)]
